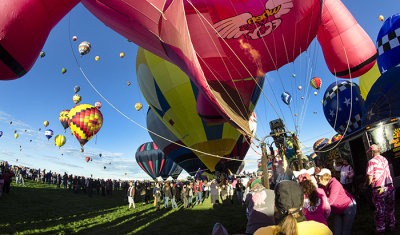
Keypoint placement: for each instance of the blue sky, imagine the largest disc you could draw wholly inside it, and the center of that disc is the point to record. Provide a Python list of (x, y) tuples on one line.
[(44, 92)]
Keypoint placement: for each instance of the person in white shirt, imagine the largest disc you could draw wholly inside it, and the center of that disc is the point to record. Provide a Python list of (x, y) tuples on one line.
[(131, 195), (346, 175)]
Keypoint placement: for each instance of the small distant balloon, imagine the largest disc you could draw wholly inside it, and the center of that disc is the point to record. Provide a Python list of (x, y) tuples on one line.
[(16, 136), (30, 140), (76, 98), (316, 83), (98, 104), (295, 114), (1, 133), (105, 167), (293, 75), (42, 54), (381, 18), (60, 140), (299, 87), (15, 131), (315, 93), (286, 98), (25, 130), (302, 97), (100, 155), (128, 83), (63, 70), (40, 129), (97, 58), (122, 55), (138, 106), (84, 48), (87, 159), (77, 89), (74, 38), (46, 123), (10, 122), (315, 112), (48, 133)]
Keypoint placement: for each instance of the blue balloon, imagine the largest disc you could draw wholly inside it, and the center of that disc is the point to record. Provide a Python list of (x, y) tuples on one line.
[(48, 133), (338, 98), (1, 133), (388, 43), (383, 100), (286, 98)]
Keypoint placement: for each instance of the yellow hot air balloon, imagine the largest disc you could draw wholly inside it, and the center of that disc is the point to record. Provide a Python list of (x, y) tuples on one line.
[(16, 136), (122, 55), (60, 140), (46, 123), (368, 79), (85, 121), (381, 18), (97, 58), (138, 106), (170, 94), (76, 98)]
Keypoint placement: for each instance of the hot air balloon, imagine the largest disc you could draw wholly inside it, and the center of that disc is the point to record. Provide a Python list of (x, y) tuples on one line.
[(286, 97), (337, 137), (60, 140), (97, 58), (15, 131), (85, 121), (48, 133), (315, 93), (100, 155), (316, 83), (42, 54), (63, 70), (172, 96), (98, 104), (40, 129), (77, 89), (76, 98), (182, 156), (128, 83), (104, 167), (64, 119), (74, 38), (122, 55), (313, 156), (1, 133), (150, 159), (321, 143), (248, 32), (381, 18), (387, 44), (138, 106), (170, 169), (383, 100), (302, 97), (10, 122), (84, 48), (299, 87), (88, 159), (46, 123), (368, 79), (341, 99)]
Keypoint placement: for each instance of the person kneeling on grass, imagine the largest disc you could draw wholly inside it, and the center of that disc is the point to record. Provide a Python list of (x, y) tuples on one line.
[(131, 195), (288, 205)]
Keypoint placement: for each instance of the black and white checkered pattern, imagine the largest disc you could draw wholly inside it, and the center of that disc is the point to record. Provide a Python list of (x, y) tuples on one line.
[(389, 41), (332, 93), (355, 123)]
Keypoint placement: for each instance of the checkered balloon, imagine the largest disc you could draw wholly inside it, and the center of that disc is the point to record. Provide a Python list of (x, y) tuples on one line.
[(342, 99), (85, 121), (388, 44)]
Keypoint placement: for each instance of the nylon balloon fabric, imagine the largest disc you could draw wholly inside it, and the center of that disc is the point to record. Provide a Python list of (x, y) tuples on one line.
[(64, 119), (85, 121), (151, 159)]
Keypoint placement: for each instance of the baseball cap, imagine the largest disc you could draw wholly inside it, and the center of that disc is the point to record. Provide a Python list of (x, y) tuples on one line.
[(373, 147), (288, 195), (324, 171)]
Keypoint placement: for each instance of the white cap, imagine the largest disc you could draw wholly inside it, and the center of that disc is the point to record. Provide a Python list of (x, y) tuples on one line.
[(324, 171), (303, 171)]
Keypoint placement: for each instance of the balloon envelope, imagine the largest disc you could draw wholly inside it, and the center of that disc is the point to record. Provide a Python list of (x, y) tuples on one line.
[(388, 44), (60, 140), (48, 133), (84, 48), (64, 118), (321, 143), (182, 156), (150, 159)]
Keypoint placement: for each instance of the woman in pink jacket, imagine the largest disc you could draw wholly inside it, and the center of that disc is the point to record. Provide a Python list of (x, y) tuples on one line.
[(316, 206), (342, 203)]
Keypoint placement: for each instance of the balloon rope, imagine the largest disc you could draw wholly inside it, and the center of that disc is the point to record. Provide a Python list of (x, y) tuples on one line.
[(116, 109), (351, 93)]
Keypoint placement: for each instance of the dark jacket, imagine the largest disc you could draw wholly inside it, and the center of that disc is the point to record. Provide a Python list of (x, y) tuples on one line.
[(167, 191)]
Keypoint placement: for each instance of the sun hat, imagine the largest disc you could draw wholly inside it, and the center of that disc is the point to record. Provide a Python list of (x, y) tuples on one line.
[(324, 171)]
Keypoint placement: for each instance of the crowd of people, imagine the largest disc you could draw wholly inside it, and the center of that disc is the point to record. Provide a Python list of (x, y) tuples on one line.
[(298, 202)]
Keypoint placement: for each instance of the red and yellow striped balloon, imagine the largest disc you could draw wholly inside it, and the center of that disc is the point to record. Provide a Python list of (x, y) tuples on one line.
[(85, 121)]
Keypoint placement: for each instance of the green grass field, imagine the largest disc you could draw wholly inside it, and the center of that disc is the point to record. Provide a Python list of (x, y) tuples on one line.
[(44, 209)]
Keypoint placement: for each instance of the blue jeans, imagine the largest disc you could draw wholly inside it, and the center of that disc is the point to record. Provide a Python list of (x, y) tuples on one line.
[(344, 221), (166, 199), (199, 196), (173, 203), (190, 199)]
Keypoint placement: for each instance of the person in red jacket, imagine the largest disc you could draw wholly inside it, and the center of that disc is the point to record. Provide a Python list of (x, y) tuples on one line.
[(198, 191), (342, 202)]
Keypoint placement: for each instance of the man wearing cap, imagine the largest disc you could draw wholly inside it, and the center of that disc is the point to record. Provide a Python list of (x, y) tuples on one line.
[(342, 202), (382, 189), (288, 206), (260, 206)]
